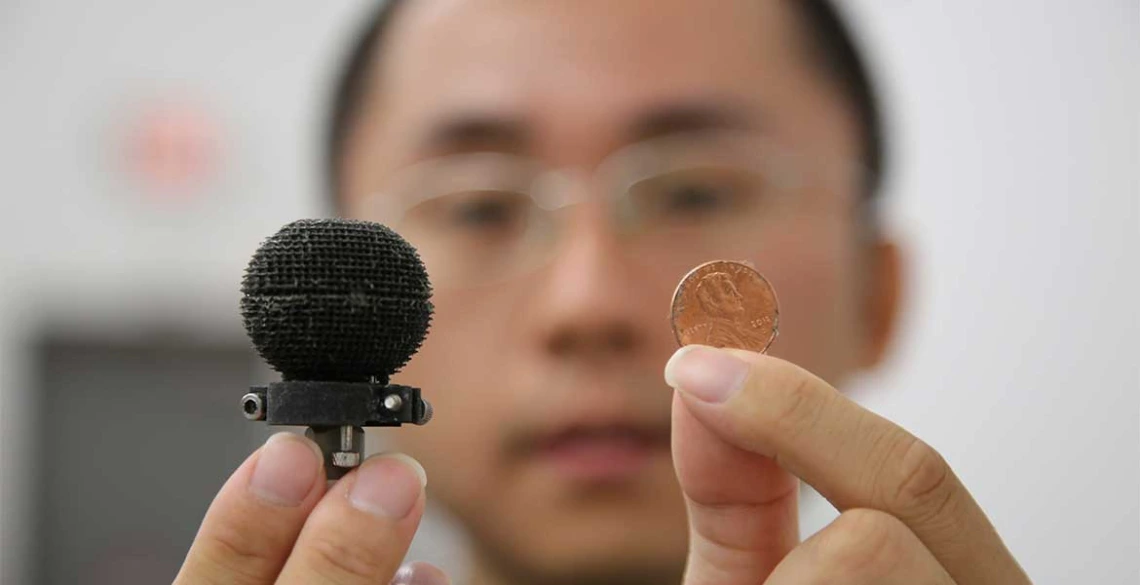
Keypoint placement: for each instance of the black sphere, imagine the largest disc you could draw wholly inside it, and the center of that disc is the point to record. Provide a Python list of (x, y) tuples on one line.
[(336, 300)]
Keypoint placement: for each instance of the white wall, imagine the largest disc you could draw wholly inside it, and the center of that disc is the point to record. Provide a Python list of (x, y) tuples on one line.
[(1016, 187)]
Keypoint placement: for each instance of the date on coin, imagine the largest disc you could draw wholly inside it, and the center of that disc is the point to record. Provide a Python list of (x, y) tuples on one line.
[(725, 304)]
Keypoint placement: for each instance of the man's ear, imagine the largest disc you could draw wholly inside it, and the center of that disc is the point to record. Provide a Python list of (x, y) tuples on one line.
[(883, 299)]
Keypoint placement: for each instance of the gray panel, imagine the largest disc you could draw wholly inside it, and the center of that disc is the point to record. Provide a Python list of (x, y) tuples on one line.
[(134, 441)]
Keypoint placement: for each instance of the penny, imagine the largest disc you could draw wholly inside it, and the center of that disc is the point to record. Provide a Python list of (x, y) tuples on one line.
[(725, 304)]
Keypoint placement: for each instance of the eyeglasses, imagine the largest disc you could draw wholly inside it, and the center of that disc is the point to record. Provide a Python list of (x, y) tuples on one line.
[(481, 218)]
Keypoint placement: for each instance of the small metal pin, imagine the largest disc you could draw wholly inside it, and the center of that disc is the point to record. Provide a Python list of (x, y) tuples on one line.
[(342, 445), (349, 454)]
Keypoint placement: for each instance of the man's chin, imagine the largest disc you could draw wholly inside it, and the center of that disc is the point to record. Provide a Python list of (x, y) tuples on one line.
[(603, 562), (601, 535)]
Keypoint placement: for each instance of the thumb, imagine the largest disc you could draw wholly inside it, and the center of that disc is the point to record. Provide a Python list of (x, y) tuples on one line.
[(742, 506)]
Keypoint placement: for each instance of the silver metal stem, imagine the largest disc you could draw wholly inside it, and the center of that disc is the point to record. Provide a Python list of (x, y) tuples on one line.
[(343, 447), (346, 438)]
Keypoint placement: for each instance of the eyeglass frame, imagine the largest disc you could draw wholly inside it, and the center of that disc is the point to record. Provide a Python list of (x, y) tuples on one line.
[(841, 174)]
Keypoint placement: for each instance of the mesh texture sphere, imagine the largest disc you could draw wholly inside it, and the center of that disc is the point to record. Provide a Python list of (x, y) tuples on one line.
[(336, 300)]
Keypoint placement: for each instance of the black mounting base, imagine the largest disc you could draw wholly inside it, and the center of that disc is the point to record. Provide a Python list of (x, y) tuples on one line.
[(335, 404), (335, 413)]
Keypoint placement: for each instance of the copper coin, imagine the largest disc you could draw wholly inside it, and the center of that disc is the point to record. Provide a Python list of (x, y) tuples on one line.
[(725, 304)]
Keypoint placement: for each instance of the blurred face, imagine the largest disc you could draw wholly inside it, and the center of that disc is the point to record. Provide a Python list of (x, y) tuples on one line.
[(550, 439)]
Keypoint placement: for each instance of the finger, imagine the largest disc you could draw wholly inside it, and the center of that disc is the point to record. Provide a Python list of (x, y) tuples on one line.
[(742, 506), (420, 574), (361, 529), (254, 520), (853, 457), (861, 547)]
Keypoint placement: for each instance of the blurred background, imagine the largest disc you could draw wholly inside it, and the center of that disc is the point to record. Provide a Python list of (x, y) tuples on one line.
[(146, 148)]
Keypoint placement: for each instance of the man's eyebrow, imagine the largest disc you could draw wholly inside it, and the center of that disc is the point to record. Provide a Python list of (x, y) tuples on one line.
[(488, 131), (694, 116), (475, 132)]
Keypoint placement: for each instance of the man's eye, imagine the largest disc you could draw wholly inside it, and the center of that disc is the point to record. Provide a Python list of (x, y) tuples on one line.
[(487, 211), (693, 195), (695, 198)]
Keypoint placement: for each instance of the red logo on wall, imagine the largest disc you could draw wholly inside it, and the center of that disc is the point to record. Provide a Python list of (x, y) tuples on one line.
[(173, 148)]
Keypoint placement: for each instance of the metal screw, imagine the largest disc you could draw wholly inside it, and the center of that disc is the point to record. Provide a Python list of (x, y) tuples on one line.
[(253, 407), (393, 402)]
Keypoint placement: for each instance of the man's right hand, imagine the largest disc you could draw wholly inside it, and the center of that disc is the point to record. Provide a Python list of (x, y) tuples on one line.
[(274, 521)]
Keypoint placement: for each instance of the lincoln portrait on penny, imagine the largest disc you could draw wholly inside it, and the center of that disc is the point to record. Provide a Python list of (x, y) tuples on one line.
[(723, 306)]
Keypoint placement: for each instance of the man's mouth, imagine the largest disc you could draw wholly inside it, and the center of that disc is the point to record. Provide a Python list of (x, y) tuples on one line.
[(602, 453)]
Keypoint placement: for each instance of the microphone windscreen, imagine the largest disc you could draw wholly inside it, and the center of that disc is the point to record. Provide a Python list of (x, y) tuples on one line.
[(336, 300)]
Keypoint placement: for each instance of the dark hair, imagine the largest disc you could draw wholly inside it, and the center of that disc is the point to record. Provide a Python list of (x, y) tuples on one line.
[(828, 38)]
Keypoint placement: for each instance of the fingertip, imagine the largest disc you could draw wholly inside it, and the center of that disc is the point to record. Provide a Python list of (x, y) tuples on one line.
[(420, 573), (671, 366), (388, 485), (706, 373), (286, 471), (411, 463), (288, 436)]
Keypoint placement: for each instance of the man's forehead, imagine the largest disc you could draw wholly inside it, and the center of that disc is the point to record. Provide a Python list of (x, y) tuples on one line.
[(507, 57), (571, 81), (578, 26)]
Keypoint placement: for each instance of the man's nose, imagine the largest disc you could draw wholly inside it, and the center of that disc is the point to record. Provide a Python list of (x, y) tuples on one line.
[(591, 303)]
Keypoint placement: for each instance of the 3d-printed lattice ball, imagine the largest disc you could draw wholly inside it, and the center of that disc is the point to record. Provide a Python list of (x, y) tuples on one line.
[(336, 300)]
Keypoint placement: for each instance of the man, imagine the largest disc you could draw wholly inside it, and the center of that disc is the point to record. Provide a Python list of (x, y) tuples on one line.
[(560, 165)]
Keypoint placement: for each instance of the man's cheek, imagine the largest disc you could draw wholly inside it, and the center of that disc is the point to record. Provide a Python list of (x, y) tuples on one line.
[(458, 347), (458, 448), (812, 284), (456, 383)]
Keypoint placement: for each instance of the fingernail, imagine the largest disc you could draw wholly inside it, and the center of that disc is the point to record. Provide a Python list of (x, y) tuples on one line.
[(388, 485), (707, 373), (286, 469), (420, 574)]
